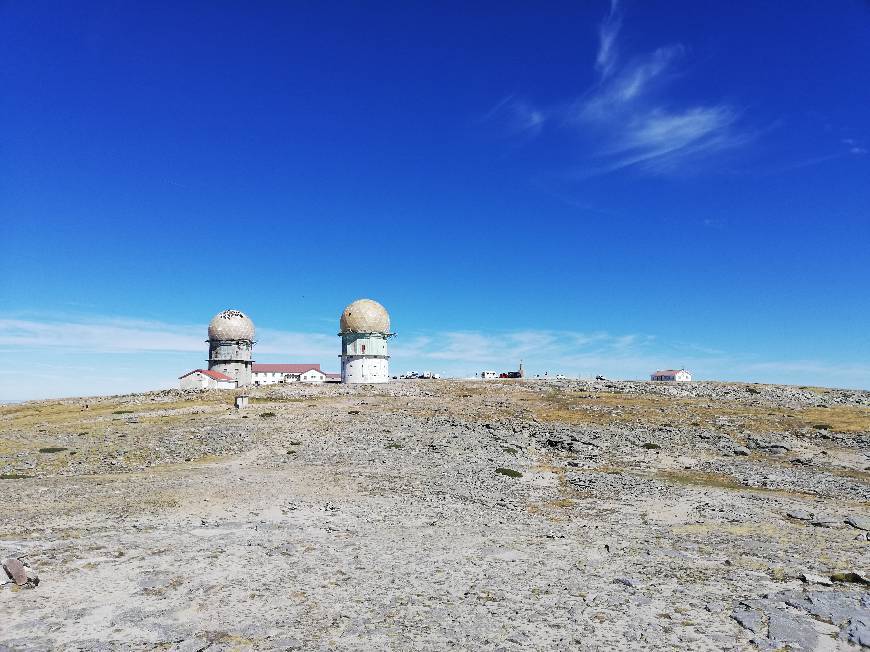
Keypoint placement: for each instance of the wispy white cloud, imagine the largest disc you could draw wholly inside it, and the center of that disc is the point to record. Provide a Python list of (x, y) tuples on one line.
[(854, 146), (661, 140), (107, 335), (613, 355), (714, 223), (624, 90), (118, 335), (622, 119), (608, 54), (535, 346), (519, 117), (637, 128), (852, 149)]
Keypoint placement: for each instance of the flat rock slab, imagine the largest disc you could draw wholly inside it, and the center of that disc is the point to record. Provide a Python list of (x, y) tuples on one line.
[(860, 522), (793, 618), (792, 630), (827, 520)]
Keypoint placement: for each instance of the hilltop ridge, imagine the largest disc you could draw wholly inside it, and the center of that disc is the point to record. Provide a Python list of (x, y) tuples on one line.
[(427, 515)]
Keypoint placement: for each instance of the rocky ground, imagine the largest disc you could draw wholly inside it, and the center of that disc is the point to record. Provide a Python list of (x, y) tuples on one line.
[(433, 515)]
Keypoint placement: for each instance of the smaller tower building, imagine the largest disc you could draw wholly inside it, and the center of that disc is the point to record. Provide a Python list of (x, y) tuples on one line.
[(364, 330), (230, 343)]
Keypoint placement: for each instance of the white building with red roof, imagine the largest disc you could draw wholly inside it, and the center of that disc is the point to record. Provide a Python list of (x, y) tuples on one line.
[(270, 374), (673, 375), (206, 379)]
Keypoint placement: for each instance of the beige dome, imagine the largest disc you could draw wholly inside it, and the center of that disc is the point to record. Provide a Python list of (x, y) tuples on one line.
[(231, 325), (365, 316)]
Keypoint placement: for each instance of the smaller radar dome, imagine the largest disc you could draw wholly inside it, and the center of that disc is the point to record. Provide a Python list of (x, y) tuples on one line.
[(231, 325), (365, 316)]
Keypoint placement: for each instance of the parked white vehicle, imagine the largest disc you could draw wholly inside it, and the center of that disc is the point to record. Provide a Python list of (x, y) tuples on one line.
[(488, 375)]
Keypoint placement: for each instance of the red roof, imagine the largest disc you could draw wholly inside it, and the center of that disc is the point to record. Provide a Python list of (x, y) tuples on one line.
[(284, 368), (216, 375), (668, 372), (333, 375)]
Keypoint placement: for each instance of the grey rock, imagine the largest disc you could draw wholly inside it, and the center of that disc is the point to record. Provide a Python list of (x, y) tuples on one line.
[(811, 578), (800, 514), (860, 522), (15, 570), (193, 645), (792, 630), (749, 618), (857, 632), (836, 607), (285, 643), (627, 581), (827, 520), (520, 638)]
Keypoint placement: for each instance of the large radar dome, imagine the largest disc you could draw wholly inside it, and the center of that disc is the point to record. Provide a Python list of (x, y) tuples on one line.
[(231, 325), (365, 316)]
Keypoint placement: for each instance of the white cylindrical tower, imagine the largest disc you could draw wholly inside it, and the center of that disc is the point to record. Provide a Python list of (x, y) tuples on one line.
[(230, 342), (364, 329)]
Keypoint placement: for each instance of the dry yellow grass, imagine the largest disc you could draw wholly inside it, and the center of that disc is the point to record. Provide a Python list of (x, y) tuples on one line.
[(21, 417), (660, 411), (840, 419)]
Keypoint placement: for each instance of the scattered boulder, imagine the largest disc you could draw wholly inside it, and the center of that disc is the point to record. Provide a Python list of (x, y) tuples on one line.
[(800, 514), (20, 572), (810, 578), (775, 447)]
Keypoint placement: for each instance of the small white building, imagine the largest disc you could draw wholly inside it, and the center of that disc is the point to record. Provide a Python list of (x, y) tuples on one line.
[(488, 375), (673, 375), (206, 379), (270, 374)]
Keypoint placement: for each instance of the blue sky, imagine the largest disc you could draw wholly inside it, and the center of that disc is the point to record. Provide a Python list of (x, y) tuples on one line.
[(591, 187)]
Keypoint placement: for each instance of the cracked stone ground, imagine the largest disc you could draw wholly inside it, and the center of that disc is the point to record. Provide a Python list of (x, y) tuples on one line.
[(441, 515)]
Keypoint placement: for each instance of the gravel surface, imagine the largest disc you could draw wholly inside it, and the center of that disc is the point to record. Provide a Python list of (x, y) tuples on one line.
[(433, 515)]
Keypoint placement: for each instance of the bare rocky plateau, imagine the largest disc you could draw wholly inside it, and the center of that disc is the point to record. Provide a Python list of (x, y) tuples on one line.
[(437, 515)]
